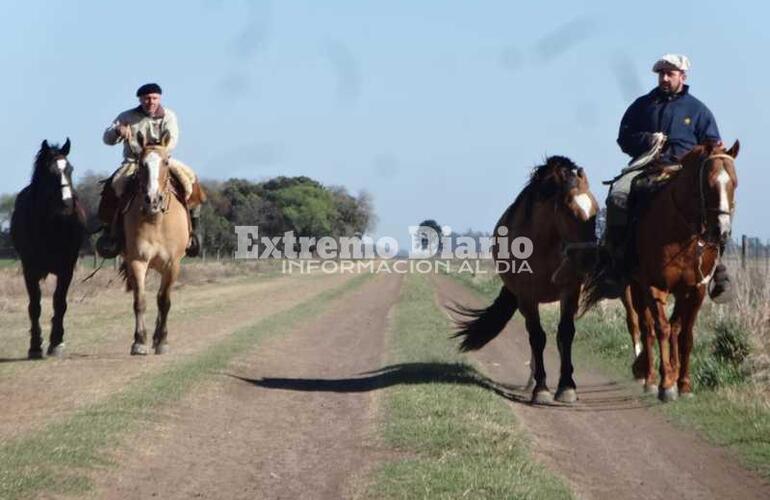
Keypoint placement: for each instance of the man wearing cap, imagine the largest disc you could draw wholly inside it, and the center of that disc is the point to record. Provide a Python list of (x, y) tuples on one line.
[(658, 128), (151, 120)]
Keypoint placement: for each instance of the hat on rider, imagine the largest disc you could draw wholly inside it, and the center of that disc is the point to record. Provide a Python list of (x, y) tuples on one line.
[(671, 61), (148, 88)]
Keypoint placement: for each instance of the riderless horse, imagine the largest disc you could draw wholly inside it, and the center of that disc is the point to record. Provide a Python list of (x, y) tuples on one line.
[(47, 230), (557, 213)]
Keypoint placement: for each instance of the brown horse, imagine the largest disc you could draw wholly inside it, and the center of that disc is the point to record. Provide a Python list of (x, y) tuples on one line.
[(556, 212), (677, 241), (157, 231)]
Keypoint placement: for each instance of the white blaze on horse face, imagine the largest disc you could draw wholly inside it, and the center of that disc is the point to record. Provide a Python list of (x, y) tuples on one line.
[(152, 160), (66, 189), (585, 204), (724, 203)]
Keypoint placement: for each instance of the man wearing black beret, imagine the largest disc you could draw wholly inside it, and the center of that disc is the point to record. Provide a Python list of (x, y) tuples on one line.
[(152, 120)]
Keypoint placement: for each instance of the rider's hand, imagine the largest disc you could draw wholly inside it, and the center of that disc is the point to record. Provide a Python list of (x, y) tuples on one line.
[(124, 131)]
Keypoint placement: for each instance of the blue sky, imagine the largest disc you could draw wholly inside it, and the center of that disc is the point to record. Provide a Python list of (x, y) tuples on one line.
[(438, 109)]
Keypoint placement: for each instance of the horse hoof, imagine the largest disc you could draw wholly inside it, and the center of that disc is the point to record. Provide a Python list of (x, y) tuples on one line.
[(542, 397), (668, 395), (56, 351), (530, 385), (568, 395), (35, 354), (139, 350), (650, 389), (641, 381), (162, 349), (686, 395)]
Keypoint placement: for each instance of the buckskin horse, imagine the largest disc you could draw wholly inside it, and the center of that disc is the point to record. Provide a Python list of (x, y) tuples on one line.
[(157, 230), (557, 212), (47, 230), (678, 240)]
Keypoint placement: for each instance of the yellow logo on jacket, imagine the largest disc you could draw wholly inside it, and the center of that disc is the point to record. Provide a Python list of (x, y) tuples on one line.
[(687, 120)]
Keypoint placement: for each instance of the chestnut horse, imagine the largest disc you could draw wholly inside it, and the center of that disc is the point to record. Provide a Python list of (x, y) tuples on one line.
[(557, 213), (677, 241), (47, 230), (157, 232)]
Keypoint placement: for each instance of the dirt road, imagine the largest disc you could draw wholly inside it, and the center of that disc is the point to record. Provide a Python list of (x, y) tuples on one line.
[(283, 422)]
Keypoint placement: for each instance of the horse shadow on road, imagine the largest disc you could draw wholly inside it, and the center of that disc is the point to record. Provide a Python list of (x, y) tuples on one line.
[(440, 373)]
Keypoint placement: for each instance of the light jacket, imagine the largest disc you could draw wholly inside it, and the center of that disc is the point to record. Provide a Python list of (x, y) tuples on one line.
[(152, 128)]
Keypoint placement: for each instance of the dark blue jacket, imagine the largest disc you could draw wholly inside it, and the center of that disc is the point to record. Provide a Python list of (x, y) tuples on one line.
[(684, 119)]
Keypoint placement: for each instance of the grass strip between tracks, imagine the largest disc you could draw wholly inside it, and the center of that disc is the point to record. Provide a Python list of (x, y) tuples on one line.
[(59, 458), (457, 436)]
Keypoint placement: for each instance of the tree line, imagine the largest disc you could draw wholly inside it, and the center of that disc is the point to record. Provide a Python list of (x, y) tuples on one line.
[(298, 204)]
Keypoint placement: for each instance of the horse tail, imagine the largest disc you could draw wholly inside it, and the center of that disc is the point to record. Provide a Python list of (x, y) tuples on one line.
[(592, 291), (123, 273), (485, 324)]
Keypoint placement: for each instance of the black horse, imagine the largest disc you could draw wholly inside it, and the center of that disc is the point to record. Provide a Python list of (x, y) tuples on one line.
[(48, 229)]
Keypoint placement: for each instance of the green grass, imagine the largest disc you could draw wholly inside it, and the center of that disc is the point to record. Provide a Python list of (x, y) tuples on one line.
[(59, 458), (459, 439)]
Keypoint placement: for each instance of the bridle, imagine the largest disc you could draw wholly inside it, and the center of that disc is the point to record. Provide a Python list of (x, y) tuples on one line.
[(704, 210), (164, 190), (703, 234)]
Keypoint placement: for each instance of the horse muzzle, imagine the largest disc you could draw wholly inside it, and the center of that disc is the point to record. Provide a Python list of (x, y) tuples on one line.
[(154, 204)]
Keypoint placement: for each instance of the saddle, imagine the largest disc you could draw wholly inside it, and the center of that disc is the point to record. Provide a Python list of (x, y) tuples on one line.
[(644, 189), (112, 206)]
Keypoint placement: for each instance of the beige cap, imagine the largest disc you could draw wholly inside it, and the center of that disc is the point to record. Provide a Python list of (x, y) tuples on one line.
[(671, 61)]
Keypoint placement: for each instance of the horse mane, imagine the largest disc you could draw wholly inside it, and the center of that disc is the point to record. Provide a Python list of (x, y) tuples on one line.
[(544, 182), (40, 166)]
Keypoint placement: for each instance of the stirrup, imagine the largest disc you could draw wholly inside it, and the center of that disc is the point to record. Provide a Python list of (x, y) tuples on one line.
[(194, 247)]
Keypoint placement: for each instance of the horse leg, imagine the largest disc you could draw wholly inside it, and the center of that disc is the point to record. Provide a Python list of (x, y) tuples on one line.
[(159, 342), (643, 367), (56, 342), (676, 327), (540, 393), (667, 391), (637, 317), (137, 273), (689, 314), (566, 392), (632, 325), (32, 282)]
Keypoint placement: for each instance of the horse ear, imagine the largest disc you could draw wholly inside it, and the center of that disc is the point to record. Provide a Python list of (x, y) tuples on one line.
[(165, 139), (733, 151), (65, 150), (44, 146)]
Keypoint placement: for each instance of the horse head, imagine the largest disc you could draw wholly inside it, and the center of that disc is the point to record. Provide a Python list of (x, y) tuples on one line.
[(574, 205), (52, 176), (154, 175), (716, 184)]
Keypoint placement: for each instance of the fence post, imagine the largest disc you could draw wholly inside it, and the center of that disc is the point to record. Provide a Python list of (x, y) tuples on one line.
[(744, 244)]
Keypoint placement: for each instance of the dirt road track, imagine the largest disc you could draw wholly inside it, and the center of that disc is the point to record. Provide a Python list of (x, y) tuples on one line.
[(37, 392), (610, 444), (281, 423)]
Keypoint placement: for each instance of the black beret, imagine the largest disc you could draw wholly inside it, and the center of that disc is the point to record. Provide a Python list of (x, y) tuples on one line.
[(148, 88)]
